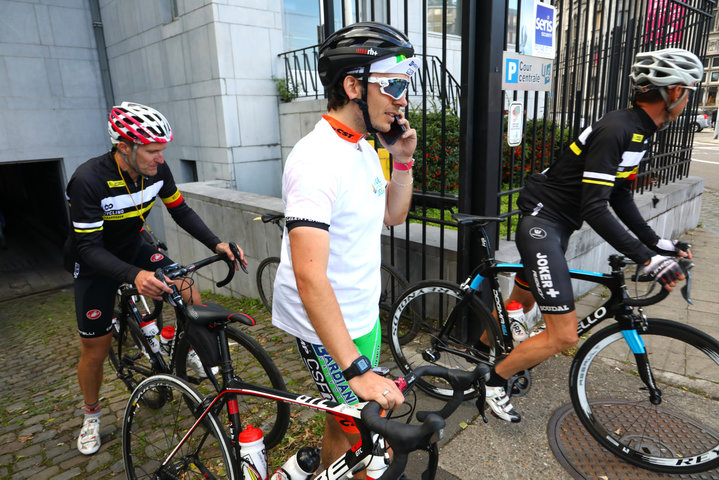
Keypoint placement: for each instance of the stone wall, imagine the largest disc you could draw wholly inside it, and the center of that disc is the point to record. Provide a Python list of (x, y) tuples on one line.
[(670, 210)]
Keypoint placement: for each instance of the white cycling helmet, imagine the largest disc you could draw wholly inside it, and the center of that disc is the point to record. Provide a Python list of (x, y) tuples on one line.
[(139, 124), (665, 68)]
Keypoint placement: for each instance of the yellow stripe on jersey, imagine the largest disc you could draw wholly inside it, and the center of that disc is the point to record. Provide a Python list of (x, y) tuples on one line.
[(171, 198), (636, 137), (115, 183), (129, 213), (89, 230), (627, 173), (609, 184), (573, 147)]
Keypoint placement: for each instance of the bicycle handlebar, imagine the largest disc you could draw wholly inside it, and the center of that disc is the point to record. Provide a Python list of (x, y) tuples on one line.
[(404, 438), (174, 271)]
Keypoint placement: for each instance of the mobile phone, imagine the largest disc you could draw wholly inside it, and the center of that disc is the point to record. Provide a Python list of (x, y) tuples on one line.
[(383, 371), (395, 131)]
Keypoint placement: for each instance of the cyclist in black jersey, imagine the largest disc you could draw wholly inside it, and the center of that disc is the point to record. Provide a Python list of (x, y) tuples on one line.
[(109, 197), (596, 172)]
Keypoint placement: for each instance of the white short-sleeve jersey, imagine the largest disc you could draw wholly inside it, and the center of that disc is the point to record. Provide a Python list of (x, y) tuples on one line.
[(333, 176)]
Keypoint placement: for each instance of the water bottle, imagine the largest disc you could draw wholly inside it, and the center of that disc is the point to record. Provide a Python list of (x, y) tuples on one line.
[(518, 324), (166, 338), (149, 328), (300, 466), (254, 455)]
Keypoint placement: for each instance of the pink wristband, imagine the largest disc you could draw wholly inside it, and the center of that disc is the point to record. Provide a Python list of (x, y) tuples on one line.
[(403, 166)]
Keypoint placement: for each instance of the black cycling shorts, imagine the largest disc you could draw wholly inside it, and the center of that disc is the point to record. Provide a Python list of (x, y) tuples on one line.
[(95, 295), (542, 245)]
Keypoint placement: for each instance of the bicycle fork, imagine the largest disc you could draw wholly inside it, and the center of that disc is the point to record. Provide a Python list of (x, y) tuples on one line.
[(636, 344)]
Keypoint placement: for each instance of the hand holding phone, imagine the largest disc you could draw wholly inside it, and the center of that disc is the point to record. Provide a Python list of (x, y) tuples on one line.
[(395, 131)]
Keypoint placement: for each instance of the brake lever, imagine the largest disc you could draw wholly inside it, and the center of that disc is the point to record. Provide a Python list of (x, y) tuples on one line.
[(174, 298), (686, 266), (236, 252)]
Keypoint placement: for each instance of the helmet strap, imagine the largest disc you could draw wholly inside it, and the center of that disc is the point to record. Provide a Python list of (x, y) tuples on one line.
[(669, 106), (132, 164), (363, 101)]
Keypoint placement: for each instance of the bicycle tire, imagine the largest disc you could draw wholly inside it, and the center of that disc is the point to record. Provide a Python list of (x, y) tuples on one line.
[(613, 404), (265, 277), (149, 435), (393, 284), (425, 308), (134, 359), (254, 365)]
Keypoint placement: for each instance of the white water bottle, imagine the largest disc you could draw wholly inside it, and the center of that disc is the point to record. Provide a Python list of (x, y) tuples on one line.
[(518, 324), (300, 466), (149, 328), (167, 335), (254, 455)]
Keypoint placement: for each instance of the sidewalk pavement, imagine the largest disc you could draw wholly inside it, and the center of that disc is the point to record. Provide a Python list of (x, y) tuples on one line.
[(40, 400)]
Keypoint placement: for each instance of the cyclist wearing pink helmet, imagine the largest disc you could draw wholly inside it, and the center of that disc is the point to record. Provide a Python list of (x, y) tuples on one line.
[(109, 197)]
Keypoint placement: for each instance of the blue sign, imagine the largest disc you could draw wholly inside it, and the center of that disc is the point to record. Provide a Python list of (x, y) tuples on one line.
[(511, 70), (544, 26)]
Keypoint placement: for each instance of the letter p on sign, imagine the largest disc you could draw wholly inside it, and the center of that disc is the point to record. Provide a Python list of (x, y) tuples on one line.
[(510, 70)]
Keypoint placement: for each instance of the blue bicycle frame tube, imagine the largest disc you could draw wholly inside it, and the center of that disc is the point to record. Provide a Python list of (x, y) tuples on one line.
[(634, 341)]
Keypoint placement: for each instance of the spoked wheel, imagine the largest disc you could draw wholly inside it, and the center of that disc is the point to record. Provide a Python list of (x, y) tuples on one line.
[(424, 310), (252, 363), (266, 273), (149, 435), (675, 433), (393, 284)]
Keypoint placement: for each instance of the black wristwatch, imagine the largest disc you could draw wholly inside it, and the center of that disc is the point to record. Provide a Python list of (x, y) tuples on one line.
[(358, 367)]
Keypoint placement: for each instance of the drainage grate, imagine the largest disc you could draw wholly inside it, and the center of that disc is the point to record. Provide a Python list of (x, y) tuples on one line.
[(583, 458)]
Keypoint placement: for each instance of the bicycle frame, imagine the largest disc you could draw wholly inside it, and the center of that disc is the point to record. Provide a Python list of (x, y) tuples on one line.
[(356, 458)]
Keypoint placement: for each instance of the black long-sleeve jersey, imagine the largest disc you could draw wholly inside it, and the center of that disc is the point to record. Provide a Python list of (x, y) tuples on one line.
[(106, 219), (596, 171)]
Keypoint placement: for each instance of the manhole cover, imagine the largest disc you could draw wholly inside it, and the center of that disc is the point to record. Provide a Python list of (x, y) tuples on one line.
[(583, 458)]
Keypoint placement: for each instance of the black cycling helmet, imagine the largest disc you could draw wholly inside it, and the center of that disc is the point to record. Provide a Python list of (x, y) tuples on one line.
[(358, 45)]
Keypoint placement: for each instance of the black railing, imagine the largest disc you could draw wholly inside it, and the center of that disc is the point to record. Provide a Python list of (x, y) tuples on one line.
[(303, 81)]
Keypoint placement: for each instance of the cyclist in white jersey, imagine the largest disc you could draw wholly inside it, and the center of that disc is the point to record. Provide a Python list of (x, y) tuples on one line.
[(336, 201)]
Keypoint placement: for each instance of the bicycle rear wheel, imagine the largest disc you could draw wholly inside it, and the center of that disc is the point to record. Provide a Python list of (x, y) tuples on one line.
[(252, 363), (421, 313), (678, 435), (149, 435), (266, 273)]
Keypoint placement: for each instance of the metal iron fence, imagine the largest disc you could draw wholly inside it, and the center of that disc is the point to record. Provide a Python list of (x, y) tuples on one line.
[(596, 43)]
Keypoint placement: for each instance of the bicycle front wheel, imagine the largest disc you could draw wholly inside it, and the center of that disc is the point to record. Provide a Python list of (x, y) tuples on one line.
[(429, 326), (266, 273), (679, 433), (149, 435), (252, 363)]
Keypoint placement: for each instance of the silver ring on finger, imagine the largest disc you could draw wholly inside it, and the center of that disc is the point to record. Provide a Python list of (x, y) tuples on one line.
[(385, 393)]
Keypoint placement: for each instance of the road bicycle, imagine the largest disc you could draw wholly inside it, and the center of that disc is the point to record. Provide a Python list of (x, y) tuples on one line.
[(647, 389), (182, 437), (133, 356), (392, 281)]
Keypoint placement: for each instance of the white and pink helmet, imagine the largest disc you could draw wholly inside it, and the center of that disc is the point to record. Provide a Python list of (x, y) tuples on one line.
[(138, 124)]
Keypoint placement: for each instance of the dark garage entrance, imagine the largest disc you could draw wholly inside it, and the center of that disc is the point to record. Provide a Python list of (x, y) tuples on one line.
[(33, 202)]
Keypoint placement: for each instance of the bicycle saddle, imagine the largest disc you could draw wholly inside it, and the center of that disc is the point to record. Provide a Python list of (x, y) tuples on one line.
[(471, 220), (211, 314)]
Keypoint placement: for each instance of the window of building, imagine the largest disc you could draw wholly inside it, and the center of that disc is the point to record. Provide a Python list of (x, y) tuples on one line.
[(714, 77), (301, 23), (715, 62), (453, 20), (188, 171), (711, 96)]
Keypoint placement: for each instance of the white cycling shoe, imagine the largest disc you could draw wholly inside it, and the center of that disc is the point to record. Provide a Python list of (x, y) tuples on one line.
[(498, 401), (89, 440)]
